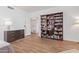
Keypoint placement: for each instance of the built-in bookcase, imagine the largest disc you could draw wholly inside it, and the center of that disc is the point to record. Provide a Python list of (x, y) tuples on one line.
[(52, 26)]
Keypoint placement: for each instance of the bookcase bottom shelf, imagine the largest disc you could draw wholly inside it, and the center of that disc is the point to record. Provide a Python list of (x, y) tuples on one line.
[(52, 38)]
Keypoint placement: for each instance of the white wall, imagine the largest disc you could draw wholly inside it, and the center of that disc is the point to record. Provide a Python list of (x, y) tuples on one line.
[(69, 17), (18, 18)]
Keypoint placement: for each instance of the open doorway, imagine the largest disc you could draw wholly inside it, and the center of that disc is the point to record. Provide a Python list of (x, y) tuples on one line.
[(33, 25)]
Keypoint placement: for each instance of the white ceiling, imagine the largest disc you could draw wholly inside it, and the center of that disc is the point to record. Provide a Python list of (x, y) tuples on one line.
[(32, 8)]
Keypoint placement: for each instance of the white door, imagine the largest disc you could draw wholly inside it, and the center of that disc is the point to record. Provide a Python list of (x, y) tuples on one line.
[(33, 25)]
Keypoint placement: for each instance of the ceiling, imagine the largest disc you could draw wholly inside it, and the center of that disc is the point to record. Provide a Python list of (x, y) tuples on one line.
[(32, 8)]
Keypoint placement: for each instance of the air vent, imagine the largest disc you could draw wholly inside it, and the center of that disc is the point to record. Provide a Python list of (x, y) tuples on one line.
[(10, 7)]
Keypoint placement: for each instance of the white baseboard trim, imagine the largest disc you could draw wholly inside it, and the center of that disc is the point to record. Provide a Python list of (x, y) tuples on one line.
[(75, 40), (27, 34)]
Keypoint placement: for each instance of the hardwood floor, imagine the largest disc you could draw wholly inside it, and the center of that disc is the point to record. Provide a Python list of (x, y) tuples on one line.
[(34, 44)]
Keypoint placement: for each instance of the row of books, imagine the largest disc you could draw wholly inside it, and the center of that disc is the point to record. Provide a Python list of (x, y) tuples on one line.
[(45, 32), (58, 29), (53, 36), (58, 32), (44, 24), (58, 23)]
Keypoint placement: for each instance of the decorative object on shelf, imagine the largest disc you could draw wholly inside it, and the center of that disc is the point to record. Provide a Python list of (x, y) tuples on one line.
[(52, 26)]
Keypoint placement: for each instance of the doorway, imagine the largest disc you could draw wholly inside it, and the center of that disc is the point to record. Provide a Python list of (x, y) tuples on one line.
[(33, 25)]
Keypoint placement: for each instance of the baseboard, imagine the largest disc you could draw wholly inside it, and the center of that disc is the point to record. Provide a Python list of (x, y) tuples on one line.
[(27, 34), (72, 40)]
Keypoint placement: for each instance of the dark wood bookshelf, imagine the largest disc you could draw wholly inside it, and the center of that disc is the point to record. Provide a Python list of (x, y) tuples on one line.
[(52, 26)]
